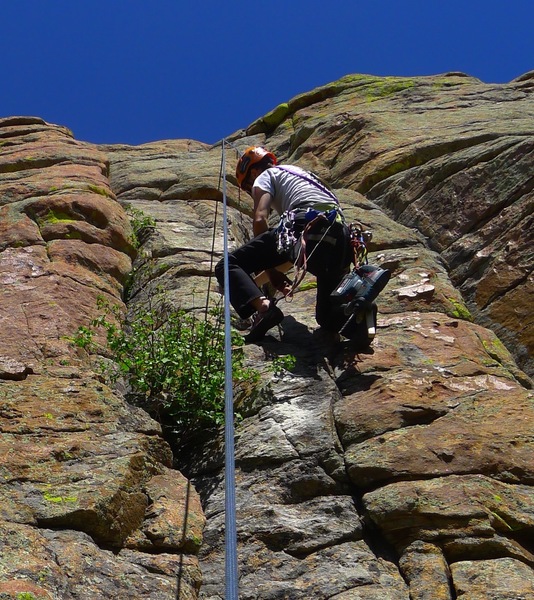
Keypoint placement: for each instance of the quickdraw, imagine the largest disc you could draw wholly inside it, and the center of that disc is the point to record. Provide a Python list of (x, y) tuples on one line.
[(358, 241)]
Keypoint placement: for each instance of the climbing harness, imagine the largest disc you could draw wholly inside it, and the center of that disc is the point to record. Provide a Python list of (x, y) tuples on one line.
[(294, 243), (287, 237), (302, 257)]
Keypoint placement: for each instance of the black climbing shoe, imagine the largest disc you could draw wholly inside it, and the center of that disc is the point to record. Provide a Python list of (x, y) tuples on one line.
[(263, 322)]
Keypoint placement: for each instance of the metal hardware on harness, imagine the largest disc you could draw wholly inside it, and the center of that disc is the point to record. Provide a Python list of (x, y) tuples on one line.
[(301, 261), (358, 241)]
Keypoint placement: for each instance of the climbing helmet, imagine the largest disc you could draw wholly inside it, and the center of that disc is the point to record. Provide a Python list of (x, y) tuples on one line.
[(251, 156)]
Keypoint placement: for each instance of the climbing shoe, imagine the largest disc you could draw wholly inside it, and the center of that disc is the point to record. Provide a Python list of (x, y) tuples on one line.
[(360, 326), (263, 322)]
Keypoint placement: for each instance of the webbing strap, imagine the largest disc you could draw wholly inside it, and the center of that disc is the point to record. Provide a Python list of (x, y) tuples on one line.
[(231, 573), (310, 178)]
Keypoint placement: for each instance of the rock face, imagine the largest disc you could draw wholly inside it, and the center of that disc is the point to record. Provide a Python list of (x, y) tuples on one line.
[(83, 474), (403, 472), (447, 155)]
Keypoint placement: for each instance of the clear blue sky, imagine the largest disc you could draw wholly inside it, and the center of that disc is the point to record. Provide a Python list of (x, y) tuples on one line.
[(134, 71)]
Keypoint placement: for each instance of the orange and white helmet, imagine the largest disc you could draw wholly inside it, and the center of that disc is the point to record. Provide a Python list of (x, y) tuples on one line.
[(251, 156)]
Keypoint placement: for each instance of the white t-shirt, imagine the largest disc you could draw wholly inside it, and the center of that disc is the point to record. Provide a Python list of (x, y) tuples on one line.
[(291, 191)]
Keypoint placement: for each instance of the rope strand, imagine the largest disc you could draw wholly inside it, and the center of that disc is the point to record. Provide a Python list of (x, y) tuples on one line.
[(231, 577)]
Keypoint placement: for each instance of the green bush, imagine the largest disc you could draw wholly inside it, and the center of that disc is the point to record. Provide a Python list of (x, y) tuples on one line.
[(141, 224), (173, 363)]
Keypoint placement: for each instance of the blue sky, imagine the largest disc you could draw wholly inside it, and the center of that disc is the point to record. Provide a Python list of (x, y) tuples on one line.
[(135, 71)]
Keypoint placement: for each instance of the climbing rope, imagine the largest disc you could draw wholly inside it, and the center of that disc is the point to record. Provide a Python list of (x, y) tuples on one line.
[(212, 255), (231, 572)]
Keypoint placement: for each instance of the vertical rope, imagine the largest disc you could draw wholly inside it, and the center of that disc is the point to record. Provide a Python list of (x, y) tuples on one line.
[(212, 255), (231, 577)]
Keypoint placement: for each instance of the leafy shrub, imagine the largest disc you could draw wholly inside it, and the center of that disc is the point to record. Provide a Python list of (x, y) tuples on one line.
[(173, 363), (283, 363), (141, 224)]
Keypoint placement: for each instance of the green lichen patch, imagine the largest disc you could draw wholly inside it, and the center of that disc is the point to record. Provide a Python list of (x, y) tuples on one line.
[(54, 216), (309, 285), (101, 191), (496, 350), (387, 86), (276, 116), (55, 499), (460, 310)]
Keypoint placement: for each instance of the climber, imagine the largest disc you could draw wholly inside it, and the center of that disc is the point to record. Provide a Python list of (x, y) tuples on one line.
[(311, 233)]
